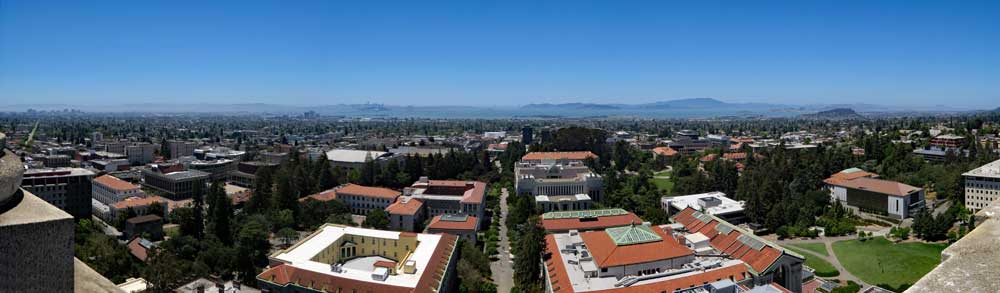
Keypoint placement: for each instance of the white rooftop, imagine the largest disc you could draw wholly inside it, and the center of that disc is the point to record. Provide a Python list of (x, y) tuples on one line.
[(725, 206), (301, 256), (352, 156), (989, 170)]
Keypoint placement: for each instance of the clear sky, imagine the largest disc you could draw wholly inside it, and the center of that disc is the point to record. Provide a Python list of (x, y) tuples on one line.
[(499, 53)]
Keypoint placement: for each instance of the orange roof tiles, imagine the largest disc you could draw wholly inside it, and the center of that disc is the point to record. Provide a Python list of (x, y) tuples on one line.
[(664, 151), (326, 195), (839, 177), (566, 224), (137, 250), (367, 191), (115, 183), (878, 185), (410, 207), (437, 224), (537, 156), (560, 282), (607, 254), (759, 260), (709, 157), (734, 156), (137, 202)]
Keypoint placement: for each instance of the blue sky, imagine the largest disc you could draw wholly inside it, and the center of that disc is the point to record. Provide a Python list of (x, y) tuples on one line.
[(499, 53)]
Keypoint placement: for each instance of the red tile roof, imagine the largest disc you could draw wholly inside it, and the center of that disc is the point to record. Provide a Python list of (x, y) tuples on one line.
[(115, 183), (430, 278), (137, 250), (468, 225), (537, 156), (709, 157), (410, 207), (878, 185), (583, 224), (607, 254), (471, 191), (326, 195), (734, 156), (560, 283), (840, 177), (133, 202), (664, 151), (759, 260), (367, 191)]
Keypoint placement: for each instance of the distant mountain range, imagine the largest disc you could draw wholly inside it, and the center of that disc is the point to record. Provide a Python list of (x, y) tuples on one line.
[(680, 108)]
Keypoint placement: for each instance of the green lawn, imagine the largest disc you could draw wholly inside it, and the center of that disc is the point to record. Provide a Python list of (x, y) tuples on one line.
[(819, 248), (880, 262), (663, 184), (823, 268), (661, 173)]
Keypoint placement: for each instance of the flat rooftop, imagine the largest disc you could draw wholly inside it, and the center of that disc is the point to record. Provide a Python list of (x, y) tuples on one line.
[(725, 205), (991, 170), (300, 256)]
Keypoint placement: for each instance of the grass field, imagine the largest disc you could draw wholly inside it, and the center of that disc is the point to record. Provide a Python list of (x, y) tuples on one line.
[(823, 268), (663, 184), (819, 248), (880, 262)]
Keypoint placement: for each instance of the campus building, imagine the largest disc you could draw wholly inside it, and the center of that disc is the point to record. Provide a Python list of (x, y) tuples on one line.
[(714, 203), (948, 141), (455, 197), (558, 181), (360, 199), (173, 180), (246, 172), (587, 220), (463, 226), (696, 251), (864, 191), (355, 159), (109, 189), (339, 258), (982, 186), (66, 188)]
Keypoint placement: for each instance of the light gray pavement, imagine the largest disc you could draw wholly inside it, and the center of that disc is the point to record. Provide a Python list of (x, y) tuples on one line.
[(503, 268)]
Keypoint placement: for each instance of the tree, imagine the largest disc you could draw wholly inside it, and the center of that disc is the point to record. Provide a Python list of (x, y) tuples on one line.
[(377, 219), (198, 220), (528, 256), (220, 213), (287, 235), (253, 246), (262, 189)]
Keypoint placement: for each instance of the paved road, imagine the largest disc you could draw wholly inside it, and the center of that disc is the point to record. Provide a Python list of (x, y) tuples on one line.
[(503, 268)]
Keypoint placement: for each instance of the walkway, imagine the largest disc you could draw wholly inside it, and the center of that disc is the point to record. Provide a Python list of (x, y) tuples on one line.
[(832, 258), (503, 268)]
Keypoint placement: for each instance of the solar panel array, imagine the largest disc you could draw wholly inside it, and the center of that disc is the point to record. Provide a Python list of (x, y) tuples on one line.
[(583, 214), (454, 218), (751, 241), (724, 229)]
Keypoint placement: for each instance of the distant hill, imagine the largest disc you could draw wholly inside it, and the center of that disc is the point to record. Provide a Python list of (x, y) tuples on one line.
[(836, 113), (694, 103), (572, 106)]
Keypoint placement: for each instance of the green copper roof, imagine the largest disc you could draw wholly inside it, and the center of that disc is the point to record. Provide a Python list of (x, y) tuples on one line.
[(632, 234), (583, 214)]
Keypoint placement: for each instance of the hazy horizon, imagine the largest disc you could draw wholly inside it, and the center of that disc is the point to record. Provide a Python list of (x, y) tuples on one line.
[(499, 54)]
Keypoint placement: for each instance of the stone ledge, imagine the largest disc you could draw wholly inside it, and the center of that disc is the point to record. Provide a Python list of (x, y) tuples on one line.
[(970, 264)]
